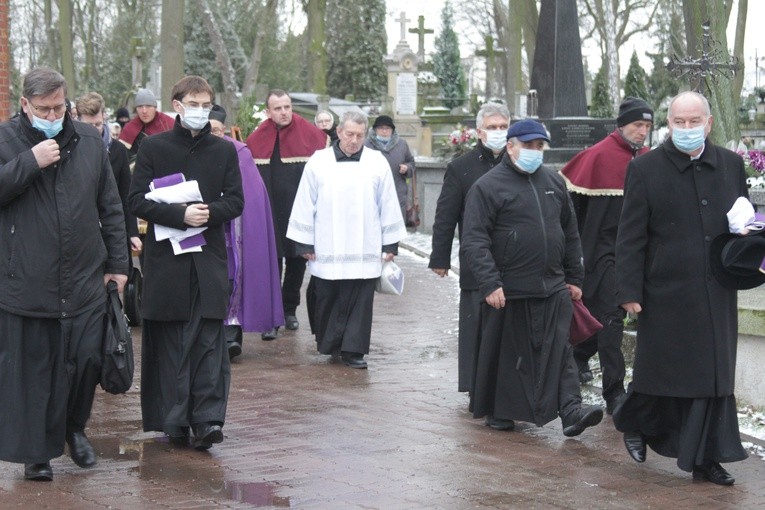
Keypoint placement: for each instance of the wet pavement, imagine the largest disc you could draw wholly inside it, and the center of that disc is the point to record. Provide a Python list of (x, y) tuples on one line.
[(303, 431)]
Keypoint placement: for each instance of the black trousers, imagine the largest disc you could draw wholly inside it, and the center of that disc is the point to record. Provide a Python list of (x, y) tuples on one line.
[(467, 339), (49, 370), (293, 269), (608, 344)]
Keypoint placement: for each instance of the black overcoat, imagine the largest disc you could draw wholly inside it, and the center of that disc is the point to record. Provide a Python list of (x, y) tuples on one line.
[(461, 174), (673, 208), (213, 163), (61, 227)]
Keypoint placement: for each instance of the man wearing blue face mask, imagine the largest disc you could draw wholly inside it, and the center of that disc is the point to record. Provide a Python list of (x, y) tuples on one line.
[(185, 367), (491, 123), (676, 197), (523, 245), (63, 239)]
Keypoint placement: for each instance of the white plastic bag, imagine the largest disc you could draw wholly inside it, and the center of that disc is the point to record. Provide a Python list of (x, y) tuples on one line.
[(391, 280)]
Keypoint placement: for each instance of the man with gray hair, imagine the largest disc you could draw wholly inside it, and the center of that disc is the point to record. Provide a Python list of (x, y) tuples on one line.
[(492, 122), (345, 221), (63, 240)]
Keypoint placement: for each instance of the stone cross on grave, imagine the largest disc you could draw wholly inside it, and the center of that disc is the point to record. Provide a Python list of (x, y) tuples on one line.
[(402, 19), (490, 53), (137, 61), (712, 63), (421, 31)]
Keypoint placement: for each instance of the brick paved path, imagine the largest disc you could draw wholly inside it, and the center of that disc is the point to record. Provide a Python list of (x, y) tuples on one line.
[(305, 432)]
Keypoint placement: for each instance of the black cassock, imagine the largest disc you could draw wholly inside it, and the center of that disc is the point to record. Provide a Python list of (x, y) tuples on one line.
[(522, 358)]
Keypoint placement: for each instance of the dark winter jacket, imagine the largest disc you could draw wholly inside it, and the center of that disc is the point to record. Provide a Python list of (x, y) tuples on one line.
[(687, 330), (521, 233), (460, 175), (214, 164), (61, 227), (396, 152), (120, 162)]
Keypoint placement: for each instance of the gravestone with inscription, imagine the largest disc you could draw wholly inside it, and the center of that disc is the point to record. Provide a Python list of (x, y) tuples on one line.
[(402, 92)]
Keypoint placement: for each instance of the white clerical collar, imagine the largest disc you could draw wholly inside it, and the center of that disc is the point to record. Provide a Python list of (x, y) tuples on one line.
[(697, 156)]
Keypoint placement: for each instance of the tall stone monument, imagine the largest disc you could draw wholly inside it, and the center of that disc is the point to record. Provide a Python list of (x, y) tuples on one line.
[(402, 91), (557, 84), (558, 74)]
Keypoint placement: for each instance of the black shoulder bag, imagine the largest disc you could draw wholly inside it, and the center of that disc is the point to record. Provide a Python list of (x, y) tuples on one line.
[(117, 361)]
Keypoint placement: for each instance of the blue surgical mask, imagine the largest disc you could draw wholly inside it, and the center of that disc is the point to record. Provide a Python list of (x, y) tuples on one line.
[(688, 140), (194, 118), (49, 127), (496, 139), (383, 139), (529, 160)]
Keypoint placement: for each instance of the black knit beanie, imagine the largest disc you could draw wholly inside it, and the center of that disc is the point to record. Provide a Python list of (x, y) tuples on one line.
[(633, 109)]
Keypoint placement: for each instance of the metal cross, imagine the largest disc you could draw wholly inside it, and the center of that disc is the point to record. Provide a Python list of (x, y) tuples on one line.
[(402, 19), (421, 31), (713, 62)]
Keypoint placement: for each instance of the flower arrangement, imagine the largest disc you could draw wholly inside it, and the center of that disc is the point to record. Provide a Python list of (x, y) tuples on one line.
[(754, 164), (458, 142)]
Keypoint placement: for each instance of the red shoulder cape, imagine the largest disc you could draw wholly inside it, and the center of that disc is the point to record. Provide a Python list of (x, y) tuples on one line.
[(161, 122), (297, 142), (600, 169)]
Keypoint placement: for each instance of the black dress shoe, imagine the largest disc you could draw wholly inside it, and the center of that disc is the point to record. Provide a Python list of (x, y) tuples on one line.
[(234, 350), (499, 424), (179, 437), (586, 416), (269, 335), (206, 435), (713, 472), (354, 360), (291, 322), (635, 443), (41, 472), (81, 450)]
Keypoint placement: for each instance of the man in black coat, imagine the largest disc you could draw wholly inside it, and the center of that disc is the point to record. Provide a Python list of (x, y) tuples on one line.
[(492, 122), (63, 239), (680, 401), (185, 368), (281, 145), (522, 242)]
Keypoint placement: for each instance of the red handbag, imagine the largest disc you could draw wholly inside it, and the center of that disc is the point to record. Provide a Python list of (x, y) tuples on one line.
[(583, 324)]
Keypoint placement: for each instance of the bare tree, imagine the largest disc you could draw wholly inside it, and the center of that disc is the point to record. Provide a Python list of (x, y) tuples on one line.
[(67, 42), (171, 47), (222, 58), (721, 91), (612, 23), (315, 42), (251, 77)]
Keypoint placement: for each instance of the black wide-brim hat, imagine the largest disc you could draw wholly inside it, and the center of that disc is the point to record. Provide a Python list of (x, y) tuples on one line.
[(735, 260)]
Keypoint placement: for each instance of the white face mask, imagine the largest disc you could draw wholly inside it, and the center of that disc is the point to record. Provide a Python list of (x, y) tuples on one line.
[(194, 118), (496, 139)]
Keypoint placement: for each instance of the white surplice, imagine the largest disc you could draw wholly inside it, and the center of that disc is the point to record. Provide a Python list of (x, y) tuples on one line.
[(347, 211)]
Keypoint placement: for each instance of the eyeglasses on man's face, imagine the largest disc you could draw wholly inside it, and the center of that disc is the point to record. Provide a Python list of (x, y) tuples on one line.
[(44, 111)]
